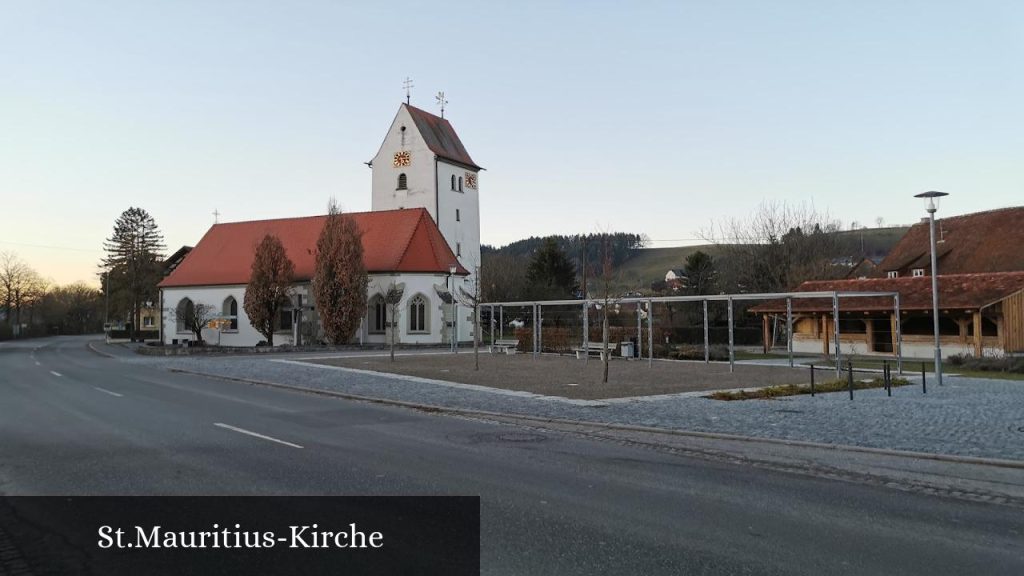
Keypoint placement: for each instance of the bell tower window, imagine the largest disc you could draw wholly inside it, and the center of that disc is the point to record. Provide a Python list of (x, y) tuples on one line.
[(402, 182)]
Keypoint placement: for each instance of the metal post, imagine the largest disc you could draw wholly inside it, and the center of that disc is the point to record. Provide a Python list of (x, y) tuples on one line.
[(935, 293), (501, 322), (586, 331), (536, 328), (732, 352), (849, 377), (835, 331), (490, 322), (899, 336), (924, 380), (707, 350), (639, 352), (650, 334), (540, 328), (789, 329), (812, 380)]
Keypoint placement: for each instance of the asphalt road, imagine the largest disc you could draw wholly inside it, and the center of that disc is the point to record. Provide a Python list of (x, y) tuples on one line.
[(73, 422)]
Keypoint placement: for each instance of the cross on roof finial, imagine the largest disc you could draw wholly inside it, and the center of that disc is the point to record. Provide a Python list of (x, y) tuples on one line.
[(441, 101), (407, 84), (216, 216)]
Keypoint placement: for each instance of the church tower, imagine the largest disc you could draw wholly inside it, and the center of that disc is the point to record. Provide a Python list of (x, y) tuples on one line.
[(423, 164)]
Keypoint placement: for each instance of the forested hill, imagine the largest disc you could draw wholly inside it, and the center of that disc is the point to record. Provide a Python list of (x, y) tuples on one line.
[(623, 245)]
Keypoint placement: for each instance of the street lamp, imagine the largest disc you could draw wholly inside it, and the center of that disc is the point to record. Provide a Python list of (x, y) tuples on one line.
[(455, 321), (930, 197)]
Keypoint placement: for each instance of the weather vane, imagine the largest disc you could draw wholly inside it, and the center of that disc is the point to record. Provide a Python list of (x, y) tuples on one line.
[(407, 84), (441, 101)]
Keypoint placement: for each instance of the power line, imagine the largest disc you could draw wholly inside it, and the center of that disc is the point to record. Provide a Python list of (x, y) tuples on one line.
[(50, 247)]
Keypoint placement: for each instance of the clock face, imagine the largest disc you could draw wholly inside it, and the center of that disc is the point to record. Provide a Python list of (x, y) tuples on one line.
[(403, 158), (470, 180)]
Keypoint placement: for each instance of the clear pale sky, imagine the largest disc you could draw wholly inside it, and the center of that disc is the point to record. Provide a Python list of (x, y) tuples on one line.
[(651, 117)]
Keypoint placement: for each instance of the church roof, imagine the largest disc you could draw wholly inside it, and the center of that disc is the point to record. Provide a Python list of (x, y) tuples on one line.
[(440, 137), (393, 241)]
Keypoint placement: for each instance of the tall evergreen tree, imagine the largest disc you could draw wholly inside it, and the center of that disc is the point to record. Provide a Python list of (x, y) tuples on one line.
[(270, 286), (134, 253), (340, 280), (550, 273), (700, 273)]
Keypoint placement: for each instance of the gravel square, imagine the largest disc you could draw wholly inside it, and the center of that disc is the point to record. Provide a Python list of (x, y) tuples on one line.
[(567, 377)]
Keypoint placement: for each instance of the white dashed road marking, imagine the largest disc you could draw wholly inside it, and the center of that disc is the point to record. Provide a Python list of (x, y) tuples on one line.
[(55, 373), (105, 391), (254, 434)]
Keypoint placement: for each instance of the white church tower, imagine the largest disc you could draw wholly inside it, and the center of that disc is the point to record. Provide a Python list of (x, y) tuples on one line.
[(423, 164)]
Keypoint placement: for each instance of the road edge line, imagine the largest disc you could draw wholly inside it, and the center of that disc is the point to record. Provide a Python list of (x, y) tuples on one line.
[(95, 351), (996, 462)]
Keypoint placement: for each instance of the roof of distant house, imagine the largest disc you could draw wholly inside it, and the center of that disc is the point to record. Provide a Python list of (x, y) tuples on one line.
[(956, 291), (440, 137), (405, 241), (972, 243)]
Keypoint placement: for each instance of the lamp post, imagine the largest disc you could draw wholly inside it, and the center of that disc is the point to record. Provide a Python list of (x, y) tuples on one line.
[(930, 197), (451, 292)]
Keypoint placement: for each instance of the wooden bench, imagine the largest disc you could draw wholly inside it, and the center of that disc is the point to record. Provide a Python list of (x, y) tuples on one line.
[(506, 346), (596, 348)]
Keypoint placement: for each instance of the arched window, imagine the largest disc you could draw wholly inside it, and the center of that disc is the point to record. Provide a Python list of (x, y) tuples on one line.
[(402, 181), (183, 314), (460, 183), (418, 315), (377, 315), (453, 181), (230, 311)]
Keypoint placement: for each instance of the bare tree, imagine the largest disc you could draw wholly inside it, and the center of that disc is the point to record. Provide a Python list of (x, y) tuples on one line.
[(340, 281), (393, 303), (195, 317), (776, 248), (472, 300), (20, 288), (270, 286), (606, 281)]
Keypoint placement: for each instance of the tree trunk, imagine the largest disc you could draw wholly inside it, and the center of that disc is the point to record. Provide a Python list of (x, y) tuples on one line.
[(606, 354)]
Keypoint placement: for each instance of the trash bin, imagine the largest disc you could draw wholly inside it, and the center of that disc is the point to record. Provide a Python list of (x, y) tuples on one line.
[(626, 349)]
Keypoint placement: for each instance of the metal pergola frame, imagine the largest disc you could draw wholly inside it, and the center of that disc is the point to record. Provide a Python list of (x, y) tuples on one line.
[(537, 310)]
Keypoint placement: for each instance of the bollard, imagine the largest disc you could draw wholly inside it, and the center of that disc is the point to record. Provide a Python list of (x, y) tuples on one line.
[(924, 383), (888, 378), (849, 377), (812, 380)]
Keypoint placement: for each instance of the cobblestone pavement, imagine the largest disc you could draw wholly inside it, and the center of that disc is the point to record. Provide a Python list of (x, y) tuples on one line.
[(967, 416)]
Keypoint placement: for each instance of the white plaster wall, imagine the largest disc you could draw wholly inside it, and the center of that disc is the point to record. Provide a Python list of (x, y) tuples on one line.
[(910, 349), (246, 335), (419, 173), (465, 231)]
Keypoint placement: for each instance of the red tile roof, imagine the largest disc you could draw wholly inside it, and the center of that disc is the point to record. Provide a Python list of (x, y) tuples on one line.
[(989, 241), (956, 291), (440, 137), (393, 241)]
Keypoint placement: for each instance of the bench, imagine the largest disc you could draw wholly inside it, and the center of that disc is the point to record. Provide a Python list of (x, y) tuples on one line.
[(506, 346), (596, 348)]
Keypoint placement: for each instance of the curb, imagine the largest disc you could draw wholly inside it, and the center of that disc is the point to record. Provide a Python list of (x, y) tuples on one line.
[(997, 462), (98, 352)]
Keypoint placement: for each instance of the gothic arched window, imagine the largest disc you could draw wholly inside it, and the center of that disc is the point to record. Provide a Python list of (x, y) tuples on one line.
[(418, 314), (230, 311), (460, 183), (377, 313), (402, 181), (183, 314)]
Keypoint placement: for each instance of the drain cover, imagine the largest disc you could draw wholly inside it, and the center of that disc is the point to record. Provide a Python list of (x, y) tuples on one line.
[(521, 437)]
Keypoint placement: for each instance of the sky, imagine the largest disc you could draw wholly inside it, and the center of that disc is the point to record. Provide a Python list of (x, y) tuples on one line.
[(650, 117)]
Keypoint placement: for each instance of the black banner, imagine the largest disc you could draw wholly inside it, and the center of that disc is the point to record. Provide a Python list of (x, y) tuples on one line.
[(228, 535)]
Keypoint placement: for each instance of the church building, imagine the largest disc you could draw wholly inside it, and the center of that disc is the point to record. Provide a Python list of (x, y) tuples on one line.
[(422, 233)]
